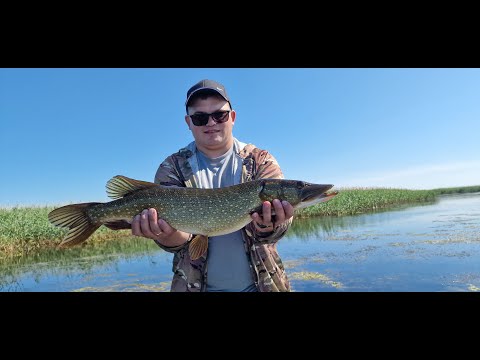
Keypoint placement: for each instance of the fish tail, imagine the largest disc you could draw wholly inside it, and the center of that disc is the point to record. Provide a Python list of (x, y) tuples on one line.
[(75, 218)]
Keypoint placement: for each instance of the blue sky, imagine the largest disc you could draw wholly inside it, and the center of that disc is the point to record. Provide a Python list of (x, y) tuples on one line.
[(65, 132)]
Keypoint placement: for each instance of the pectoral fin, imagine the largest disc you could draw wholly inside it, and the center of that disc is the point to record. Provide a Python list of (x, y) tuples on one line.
[(198, 246), (118, 225)]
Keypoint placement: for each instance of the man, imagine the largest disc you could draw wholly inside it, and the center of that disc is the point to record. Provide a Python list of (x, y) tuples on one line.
[(245, 260)]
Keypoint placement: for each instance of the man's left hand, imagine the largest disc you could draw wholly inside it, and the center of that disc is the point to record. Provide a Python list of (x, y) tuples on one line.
[(274, 214)]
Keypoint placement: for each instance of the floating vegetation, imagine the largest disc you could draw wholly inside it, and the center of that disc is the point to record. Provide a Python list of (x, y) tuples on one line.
[(161, 287), (310, 275)]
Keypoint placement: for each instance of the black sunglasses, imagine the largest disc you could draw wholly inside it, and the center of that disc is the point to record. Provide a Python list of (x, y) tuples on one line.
[(201, 119)]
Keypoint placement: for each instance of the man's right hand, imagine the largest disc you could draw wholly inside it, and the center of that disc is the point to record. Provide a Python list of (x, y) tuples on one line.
[(147, 225)]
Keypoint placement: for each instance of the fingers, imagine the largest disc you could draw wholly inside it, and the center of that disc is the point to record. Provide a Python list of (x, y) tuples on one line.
[(256, 218), (153, 222), (283, 210), (267, 212), (264, 223), (261, 227), (136, 231), (165, 227), (279, 212), (289, 210), (273, 215), (147, 224)]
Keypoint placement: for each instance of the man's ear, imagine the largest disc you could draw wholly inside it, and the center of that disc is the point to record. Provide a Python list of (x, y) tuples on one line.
[(187, 120)]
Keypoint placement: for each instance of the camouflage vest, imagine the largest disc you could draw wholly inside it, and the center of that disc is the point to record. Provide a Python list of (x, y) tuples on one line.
[(179, 169)]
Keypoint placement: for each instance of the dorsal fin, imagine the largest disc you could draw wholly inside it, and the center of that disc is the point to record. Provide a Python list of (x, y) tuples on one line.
[(120, 186)]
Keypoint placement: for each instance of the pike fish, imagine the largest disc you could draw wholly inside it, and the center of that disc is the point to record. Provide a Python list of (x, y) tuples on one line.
[(202, 212)]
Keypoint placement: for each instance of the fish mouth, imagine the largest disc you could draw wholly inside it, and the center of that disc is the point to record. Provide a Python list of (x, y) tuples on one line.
[(315, 193)]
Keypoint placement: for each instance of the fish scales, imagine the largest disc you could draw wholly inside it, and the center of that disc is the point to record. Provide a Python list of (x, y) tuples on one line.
[(198, 211)]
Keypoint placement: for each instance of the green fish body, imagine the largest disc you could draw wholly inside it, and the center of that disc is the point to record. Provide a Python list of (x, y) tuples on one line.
[(203, 212)]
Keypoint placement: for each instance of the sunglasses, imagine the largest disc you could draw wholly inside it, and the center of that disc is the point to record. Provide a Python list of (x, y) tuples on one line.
[(201, 119)]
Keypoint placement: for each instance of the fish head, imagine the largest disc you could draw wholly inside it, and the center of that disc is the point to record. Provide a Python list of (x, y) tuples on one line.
[(299, 194)]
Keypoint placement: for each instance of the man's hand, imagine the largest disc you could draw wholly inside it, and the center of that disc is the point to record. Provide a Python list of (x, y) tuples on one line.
[(147, 225), (272, 218)]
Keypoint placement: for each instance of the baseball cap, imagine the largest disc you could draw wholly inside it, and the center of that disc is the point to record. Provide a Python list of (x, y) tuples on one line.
[(207, 85)]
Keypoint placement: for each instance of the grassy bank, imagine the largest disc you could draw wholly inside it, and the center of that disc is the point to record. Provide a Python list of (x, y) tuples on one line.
[(457, 190), (26, 229), (364, 200)]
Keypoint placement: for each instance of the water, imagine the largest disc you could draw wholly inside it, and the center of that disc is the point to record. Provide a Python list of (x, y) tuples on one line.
[(434, 247)]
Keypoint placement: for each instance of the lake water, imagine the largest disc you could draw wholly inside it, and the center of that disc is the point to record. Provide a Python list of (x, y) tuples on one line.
[(434, 247)]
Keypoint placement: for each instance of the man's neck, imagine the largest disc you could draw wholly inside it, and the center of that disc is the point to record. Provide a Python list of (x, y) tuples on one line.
[(215, 152)]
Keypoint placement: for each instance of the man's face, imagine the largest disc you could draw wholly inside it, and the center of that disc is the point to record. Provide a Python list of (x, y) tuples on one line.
[(212, 136)]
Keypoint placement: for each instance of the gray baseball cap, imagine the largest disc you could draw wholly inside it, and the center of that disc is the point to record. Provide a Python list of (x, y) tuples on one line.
[(207, 85)]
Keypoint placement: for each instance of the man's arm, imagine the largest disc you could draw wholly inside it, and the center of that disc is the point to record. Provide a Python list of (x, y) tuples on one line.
[(147, 223)]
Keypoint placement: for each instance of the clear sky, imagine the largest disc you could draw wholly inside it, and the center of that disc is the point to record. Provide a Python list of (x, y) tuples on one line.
[(65, 132)]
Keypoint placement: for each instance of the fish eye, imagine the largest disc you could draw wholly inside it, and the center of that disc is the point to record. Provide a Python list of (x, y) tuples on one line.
[(300, 184)]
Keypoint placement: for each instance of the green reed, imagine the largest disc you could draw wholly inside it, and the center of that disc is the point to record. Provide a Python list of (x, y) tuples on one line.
[(457, 190), (25, 229)]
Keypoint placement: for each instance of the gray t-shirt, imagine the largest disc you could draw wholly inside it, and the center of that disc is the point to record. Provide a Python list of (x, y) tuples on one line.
[(228, 268)]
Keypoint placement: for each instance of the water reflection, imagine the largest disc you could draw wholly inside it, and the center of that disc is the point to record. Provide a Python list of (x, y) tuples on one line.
[(69, 262), (328, 226)]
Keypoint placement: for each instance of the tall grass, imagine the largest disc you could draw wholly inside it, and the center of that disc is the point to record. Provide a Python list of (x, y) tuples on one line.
[(25, 229), (457, 190), (354, 201)]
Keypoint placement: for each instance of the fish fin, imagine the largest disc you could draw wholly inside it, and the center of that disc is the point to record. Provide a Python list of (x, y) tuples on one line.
[(198, 246), (73, 217), (120, 186), (118, 225)]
